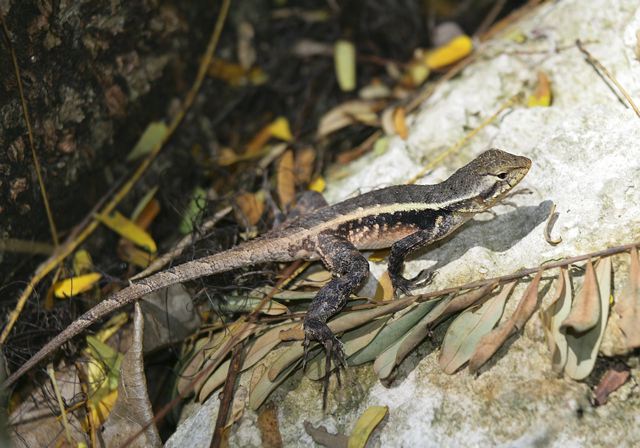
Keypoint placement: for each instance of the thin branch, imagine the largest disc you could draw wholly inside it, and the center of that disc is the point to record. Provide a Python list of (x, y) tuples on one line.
[(598, 65), (227, 396)]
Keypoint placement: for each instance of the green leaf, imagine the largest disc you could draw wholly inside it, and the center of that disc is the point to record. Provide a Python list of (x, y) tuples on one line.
[(583, 347), (151, 137), (353, 341), (345, 64), (392, 356), (265, 386), (392, 332), (193, 214), (465, 332)]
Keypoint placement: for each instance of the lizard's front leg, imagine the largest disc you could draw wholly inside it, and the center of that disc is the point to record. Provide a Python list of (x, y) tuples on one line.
[(433, 231), (349, 269)]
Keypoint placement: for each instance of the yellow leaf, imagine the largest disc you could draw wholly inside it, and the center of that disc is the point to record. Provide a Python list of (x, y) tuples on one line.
[(400, 123), (151, 137), (135, 256), (129, 230), (73, 286), (542, 95), (344, 54), (82, 262), (456, 49), (279, 128), (365, 426), (100, 409), (112, 326), (384, 290), (318, 184)]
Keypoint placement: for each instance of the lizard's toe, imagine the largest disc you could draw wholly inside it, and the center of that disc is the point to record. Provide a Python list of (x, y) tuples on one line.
[(406, 285)]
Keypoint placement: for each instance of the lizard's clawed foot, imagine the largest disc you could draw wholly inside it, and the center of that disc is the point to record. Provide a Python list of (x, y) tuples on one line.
[(319, 331), (406, 285)]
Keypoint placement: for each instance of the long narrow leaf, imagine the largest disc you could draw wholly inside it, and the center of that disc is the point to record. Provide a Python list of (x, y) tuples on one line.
[(464, 333), (583, 347), (552, 318), (490, 343)]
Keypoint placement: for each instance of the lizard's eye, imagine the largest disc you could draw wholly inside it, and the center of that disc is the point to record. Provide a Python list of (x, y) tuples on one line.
[(501, 176)]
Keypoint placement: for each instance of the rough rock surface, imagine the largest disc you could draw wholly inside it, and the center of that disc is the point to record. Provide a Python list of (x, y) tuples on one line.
[(585, 152)]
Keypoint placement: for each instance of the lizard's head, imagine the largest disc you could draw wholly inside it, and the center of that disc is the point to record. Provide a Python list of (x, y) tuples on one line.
[(488, 178)]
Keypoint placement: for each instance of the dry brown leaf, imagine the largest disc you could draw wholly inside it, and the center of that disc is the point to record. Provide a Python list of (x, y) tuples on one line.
[(269, 426), (251, 207), (552, 318), (348, 113), (585, 311), (628, 304), (286, 180), (132, 411), (492, 341), (304, 168), (583, 348), (611, 381)]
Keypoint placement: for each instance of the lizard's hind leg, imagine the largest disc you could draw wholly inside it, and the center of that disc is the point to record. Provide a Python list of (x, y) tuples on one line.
[(349, 269)]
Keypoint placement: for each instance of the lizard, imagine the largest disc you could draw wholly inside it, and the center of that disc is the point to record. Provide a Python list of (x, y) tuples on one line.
[(402, 217)]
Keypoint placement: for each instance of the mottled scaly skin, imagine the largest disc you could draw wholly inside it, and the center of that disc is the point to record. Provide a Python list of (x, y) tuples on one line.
[(404, 218)]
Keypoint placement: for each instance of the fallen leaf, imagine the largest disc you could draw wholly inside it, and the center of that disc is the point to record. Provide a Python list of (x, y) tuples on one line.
[(348, 113), (82, 262), (304, 165), (465, 332), (321, 436), (192, 215), (384, 290), (393, 356), (235, 74), (393, 330), (264, 386), (365, 425), (279, 128), (153, 135), (73, 286), (457, 49), (345, 64), (264, 344), (240, 304), (132, 411), (353, 341), (128, 229), (251, 207), (585, 310), (269, 426), (611, 381), (584, 347), (552, 319), (318, 184), (400, 123), (286, 181), (542, 95), (491, 342), (628, 304)]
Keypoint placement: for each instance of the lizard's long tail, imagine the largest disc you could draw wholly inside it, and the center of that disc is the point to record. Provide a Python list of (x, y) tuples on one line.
[(252, 252)]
